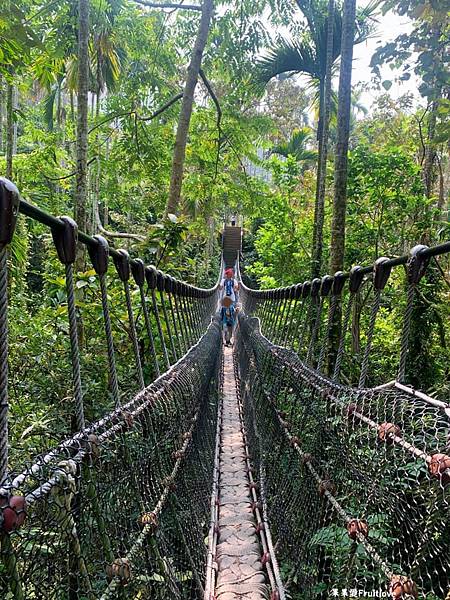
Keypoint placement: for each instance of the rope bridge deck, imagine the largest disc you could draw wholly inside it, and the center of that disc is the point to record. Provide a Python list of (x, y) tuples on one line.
[(238, 532), (268, 471)]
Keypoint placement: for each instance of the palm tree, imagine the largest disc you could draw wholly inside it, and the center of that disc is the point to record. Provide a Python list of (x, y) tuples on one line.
[(296, 146), (343, 131), (80, 192), (308, 56)]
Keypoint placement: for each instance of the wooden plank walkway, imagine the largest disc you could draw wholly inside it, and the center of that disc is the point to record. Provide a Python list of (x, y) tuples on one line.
[(240, 573)]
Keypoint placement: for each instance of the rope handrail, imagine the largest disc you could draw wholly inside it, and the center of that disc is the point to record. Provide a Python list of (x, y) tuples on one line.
[(53, 222), (74, 506), (295, 315), (421, 252)]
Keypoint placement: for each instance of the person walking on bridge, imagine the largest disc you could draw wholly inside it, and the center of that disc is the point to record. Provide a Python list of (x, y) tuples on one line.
[(229, 285), (229, 297)]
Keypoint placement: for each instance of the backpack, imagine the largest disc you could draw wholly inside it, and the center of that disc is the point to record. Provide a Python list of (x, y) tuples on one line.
[(229, 285)]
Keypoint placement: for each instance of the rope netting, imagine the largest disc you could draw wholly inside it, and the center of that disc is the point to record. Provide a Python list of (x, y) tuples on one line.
[(120, 509), (355, 479), (349, 484)]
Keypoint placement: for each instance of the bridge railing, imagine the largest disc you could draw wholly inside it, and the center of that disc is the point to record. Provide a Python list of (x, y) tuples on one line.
[(384, 320), (356, 476), (76, 518)]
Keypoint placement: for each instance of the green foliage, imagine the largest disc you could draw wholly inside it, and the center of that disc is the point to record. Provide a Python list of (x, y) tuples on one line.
[(386, 203)]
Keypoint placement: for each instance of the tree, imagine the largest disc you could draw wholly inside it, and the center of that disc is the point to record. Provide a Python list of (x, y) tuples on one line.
[(343, 130), (296, 146), (313, 56), (323, 152), (424, 52), (17, 38), (179, 152), (80, 196)]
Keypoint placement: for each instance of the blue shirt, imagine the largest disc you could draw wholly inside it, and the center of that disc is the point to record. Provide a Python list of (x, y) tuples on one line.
[(227, 316)]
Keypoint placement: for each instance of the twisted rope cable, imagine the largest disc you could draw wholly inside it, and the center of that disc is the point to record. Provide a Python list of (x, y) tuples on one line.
[(133, 335), (197, 318), (324, 347), (186, 313), (315, 331), (149, 330), (284, 328), (284, 341), (109, 341), (405, 333), (307, 320), (169, 333), (278, 318), (74, 348), (182, 322), (175, 328), (368, 348), (341, 347), (293, 332), (3, 365), (160, 333)]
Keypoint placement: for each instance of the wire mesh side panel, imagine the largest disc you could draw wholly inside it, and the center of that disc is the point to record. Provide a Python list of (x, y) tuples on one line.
[(356, 481), (121, 509)]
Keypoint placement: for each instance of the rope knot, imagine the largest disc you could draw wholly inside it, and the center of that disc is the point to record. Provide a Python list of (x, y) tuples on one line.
[(149, 519), (386, 431), (326, 485), (13, 511), (402, 587), (119, 569), (356, 526), (438, 466)]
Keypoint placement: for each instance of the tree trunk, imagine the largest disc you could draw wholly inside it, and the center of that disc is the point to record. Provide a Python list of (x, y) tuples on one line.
[(343, 129), (80, 199), (323, 151), (430, 152), (2, 104), (9, 130), (340, 163), (96, 194), (15, 107), (176, 179)]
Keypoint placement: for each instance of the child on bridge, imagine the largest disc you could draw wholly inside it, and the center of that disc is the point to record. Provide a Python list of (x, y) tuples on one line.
[(228, 310)]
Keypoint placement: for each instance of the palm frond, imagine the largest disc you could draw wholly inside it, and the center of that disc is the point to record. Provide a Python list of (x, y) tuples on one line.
[(295, 146), (49, 107), (289, 57), (366, 21)]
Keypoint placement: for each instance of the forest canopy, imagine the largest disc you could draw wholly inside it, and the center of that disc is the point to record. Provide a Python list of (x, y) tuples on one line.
[(153, 123)]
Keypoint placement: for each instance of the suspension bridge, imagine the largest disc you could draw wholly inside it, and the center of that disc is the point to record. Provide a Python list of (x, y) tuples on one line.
[(261, 471)]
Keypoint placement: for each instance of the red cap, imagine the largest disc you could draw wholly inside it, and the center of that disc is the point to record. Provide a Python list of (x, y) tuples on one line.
[(228, 271)]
